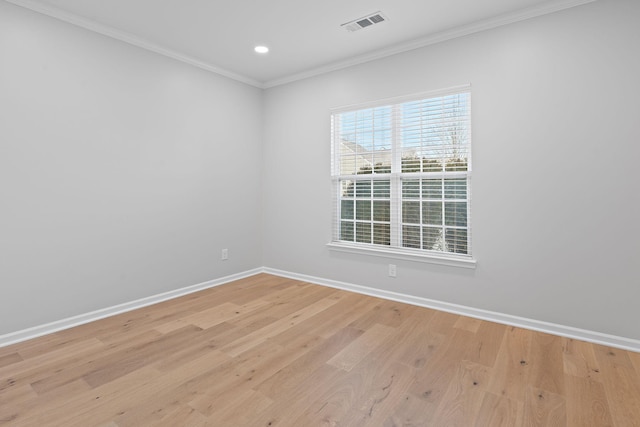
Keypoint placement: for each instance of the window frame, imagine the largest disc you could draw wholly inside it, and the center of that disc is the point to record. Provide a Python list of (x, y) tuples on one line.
[(395, 249)]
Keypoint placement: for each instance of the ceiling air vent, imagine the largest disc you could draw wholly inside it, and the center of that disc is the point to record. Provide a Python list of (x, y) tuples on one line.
[(364, 22)]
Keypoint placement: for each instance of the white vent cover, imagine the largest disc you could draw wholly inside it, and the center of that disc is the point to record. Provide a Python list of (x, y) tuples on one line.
[(364, 22)]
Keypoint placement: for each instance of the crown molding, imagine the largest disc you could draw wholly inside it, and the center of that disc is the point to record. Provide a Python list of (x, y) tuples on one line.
[(131, 39), (487, 24)]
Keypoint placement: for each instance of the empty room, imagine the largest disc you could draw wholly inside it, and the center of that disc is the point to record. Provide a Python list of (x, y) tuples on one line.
[(337, 213)]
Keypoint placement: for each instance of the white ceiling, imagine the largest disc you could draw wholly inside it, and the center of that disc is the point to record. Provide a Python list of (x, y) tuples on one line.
[(305, 37)]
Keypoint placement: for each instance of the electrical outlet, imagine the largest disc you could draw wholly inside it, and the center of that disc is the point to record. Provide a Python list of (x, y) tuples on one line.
[(392, 270), (225, 254)]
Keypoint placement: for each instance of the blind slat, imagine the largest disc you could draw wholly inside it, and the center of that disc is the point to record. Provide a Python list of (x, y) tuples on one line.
[(402, 174)]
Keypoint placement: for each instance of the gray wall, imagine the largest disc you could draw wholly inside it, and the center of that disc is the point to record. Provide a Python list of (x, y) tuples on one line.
[(118, 172), (555, 183)]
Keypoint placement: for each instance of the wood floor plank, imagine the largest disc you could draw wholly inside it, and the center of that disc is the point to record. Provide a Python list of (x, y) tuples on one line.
[(579, 359), (410, 411), (442, 322), (382, 393), (586, 402), (489, 338), (425, 343), (546, 363), (544, 409), (621, 385), (511, 370), (499, 411), (389, 313), (282, 412), (173, 390), (433, 379), (334, 318), (468, 324), (19, 410), (46, 344), (635, 361), (251, 340), (241, 410), (352, 354), (184, 416), (299, 372), (94, 406), (268, 351), (39, 367), (90, 362), (128, 360), (461, 402), (10, 359), (13, 402), (119, 398), (249, 371)]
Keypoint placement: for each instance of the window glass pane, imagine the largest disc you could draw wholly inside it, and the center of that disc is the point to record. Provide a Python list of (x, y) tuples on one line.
[(363, 232), (456, 164), (430, 139), (411, 212), (432, 213), (410, 163), (346, 231), (456, 241), (432, 238), (455, 188), (410, 236), (346, 209), (363, 188), (410, 188), (382, 189), (381, 210), (455, 213), (364, 120), (363, 165), (363, 209), (384, 165), (347, 162), (365, 138), (382, 234), (347, 188), (382, 136), (431, 165), (432, 188)]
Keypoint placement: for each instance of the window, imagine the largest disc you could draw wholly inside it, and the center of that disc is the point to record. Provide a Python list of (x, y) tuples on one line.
[(401, 174)]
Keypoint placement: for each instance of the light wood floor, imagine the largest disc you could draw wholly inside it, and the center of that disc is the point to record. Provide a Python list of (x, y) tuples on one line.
[(268, 351)]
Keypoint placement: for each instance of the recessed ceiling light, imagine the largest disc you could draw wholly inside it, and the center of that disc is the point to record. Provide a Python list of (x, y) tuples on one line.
[(261, 49)]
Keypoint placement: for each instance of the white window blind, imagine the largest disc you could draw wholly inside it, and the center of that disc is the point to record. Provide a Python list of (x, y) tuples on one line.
[(401, 174)]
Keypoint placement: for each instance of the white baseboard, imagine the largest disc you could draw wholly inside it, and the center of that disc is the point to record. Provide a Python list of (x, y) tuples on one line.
[(505, 319), (58, 325)]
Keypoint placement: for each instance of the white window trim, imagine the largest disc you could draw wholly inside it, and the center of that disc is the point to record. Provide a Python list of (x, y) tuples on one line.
[(407, 254), (404, 254)]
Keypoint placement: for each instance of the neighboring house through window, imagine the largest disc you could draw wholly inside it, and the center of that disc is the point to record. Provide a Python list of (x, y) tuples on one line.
[(401, 176)]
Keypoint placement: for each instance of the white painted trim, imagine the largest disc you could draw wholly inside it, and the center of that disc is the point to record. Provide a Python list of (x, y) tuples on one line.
[(492, 316), (406, 255), (487, 24), (387, 102), (129, 38), (505, 319), (70, 322)]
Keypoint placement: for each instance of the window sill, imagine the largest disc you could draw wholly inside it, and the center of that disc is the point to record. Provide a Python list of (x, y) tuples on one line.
[(461, 261)]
